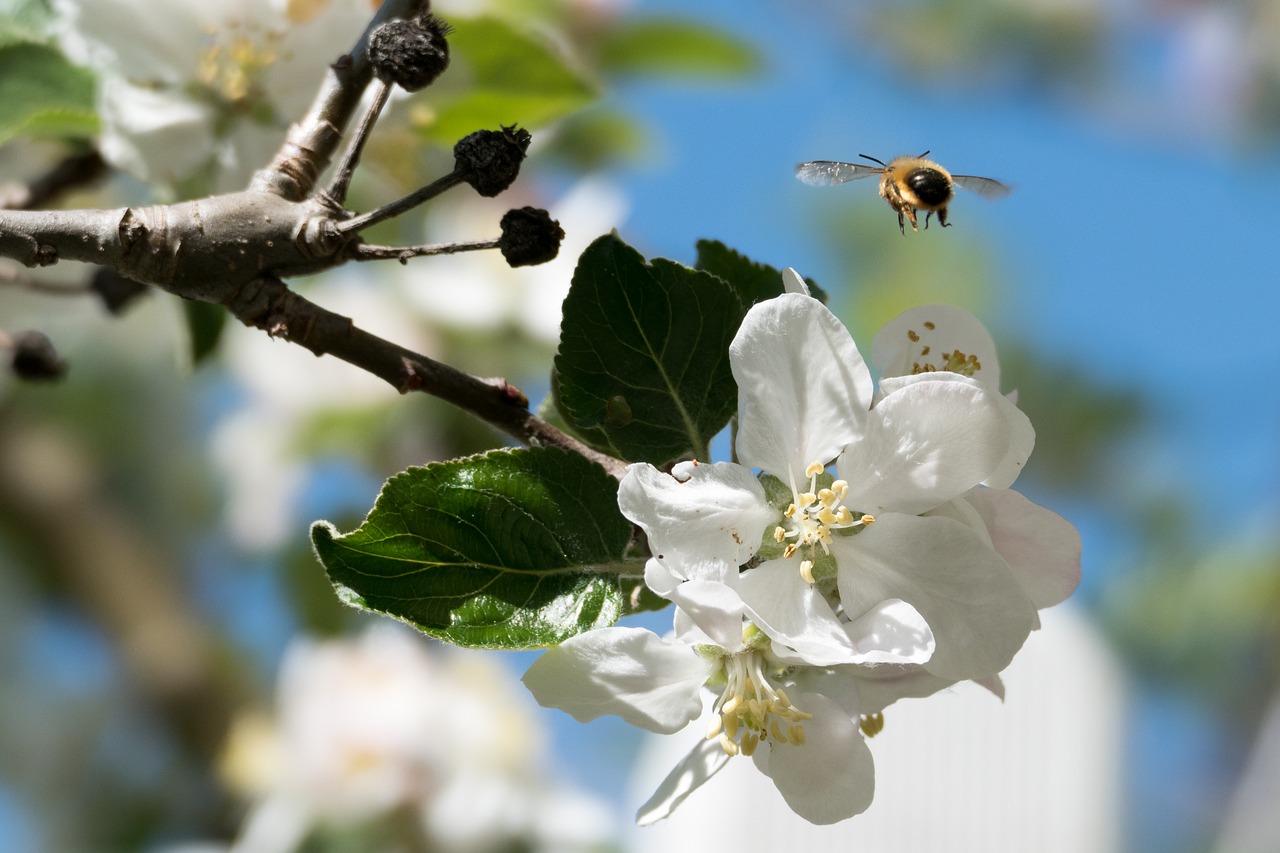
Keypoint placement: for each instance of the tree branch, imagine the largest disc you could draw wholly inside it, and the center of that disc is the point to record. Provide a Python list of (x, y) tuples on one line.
[(271, 306), (310, 144)]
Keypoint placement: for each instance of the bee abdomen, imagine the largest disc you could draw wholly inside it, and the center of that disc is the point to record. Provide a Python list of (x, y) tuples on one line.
[(930, 186)]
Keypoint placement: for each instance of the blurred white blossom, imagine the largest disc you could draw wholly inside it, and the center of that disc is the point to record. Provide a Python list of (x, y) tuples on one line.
[(189, 83), (383, 724)]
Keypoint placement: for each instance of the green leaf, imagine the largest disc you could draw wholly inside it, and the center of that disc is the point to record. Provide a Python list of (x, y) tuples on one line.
[(512, 549), (672, 47), (499, 76), (205, 322), (753, 281), (42, 94), (643, 366)]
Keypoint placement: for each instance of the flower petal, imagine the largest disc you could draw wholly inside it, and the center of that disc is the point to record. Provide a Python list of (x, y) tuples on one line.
[(925, 444), (892, 632), (794, 614), (718, 511), (630, 672), (1021, 434), (1041, 547), (977, 610), (803, 388), (702, 762), (924, 338), (714, 607), (829, 777)]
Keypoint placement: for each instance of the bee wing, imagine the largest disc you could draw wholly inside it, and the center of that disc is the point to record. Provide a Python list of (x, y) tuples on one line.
[(822, 173), (989, 187)]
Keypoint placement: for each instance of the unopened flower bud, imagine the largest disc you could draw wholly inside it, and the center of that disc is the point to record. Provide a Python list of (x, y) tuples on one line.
[(529, 236), (490, 160), (34, 357), (411, 53)]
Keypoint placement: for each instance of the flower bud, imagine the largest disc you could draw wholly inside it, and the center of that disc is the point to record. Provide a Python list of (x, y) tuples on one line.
[(410, 53), (34, 357), (529, 236), (490, 160)]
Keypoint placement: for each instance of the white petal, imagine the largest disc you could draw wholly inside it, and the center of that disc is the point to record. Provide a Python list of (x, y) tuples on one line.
[(718, 512), (924, 445), (703, 762), (892, 632), (792, 282), (1041, 547), (1021, 436), (794, 614), (803, 389), (714, 607), (881, 686), (828, 778), (154, 134), (922, 339), (630, 672), (974, 605)]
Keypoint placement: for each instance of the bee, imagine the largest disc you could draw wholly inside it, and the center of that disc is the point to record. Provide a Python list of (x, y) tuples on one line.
[(909, 184)]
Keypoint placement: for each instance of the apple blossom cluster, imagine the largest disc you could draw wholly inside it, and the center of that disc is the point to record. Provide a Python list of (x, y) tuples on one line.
[(432, 746), (864, 546)]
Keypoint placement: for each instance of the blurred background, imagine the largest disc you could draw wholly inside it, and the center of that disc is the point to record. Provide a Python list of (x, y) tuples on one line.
[(164, 626)]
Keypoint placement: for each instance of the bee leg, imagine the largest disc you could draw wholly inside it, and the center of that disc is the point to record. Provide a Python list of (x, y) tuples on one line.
[(942, 217), (927, 214), (911, 214), (902, 226)]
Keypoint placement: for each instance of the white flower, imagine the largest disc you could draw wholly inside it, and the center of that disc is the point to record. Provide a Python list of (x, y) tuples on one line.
[(1041, 547), (800, 729), (185, 84), (856, 540), (379, 724)]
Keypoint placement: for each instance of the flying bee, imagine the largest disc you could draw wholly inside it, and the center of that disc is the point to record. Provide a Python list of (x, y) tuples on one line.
[(909, 184)]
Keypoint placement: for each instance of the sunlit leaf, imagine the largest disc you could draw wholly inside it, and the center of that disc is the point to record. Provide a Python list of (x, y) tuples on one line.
[(511, 549), (643, 366)]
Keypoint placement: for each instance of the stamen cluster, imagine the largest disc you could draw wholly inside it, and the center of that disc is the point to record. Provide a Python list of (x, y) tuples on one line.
[(751, 710)]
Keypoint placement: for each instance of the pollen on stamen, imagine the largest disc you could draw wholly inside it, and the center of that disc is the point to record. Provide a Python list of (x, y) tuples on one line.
[(790, 550), (930, 325), (871, 724), (806, 571), (814, 469), (779, 533), (715, 726), (728, 745), (868, 519), (913, 336)]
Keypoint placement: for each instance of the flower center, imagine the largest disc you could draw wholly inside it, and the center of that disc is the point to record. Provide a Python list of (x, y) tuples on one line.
[(751, 710), (232, 64), (955, 361), (812, 516)]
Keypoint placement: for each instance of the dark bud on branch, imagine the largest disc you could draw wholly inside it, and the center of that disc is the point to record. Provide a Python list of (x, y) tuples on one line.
[(115, 290), (489, 160), (529, 236), (410, 53), (34, 357)]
